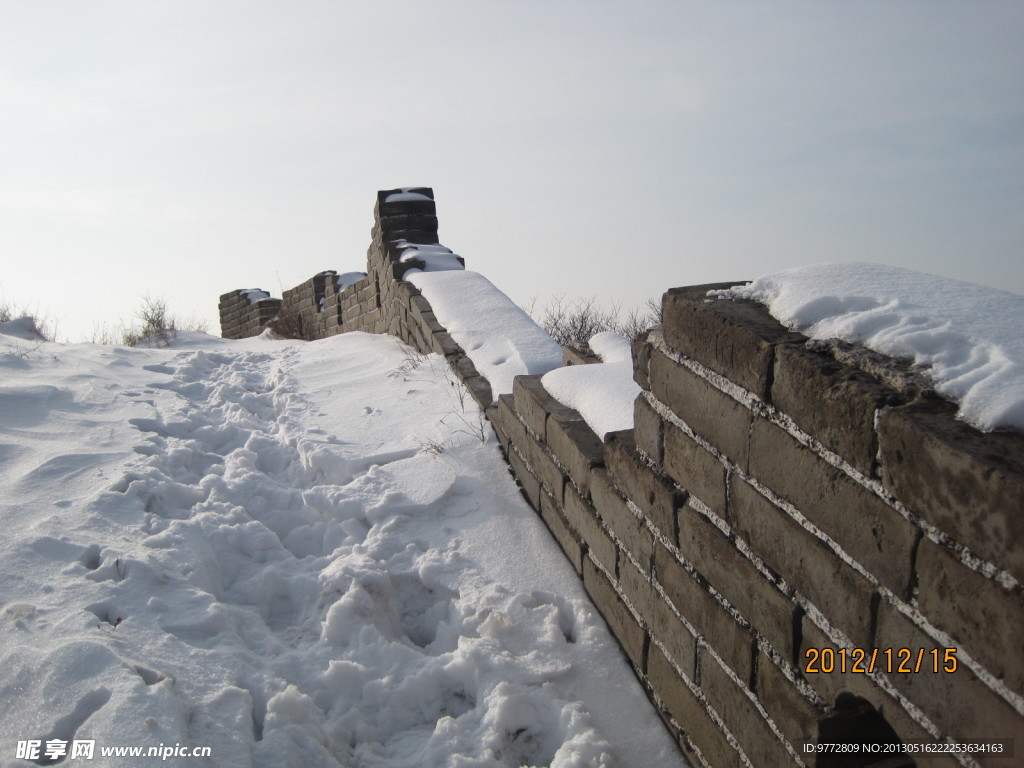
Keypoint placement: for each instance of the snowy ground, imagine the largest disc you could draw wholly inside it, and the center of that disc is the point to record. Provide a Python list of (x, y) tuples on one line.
[(294, 554)]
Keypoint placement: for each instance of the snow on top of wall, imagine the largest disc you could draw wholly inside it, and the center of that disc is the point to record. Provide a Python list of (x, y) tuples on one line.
[(435, 257), (603, 393), (346, 279), (612, 347), (254, 294), (404, 196), (967, 336), (500, 338)]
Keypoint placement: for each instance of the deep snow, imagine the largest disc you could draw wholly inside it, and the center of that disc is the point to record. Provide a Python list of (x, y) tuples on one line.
[(296, 554), (966, 337)]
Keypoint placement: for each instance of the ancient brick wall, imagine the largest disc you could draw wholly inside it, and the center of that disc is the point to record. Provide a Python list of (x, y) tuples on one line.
[(777, 505), (773, 511)]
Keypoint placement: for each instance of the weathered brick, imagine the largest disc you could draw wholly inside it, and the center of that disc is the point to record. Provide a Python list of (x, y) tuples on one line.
[(583, 518), (705, 614), (708, 411), (661, 621), (533, 403), (695, 468), (529, 484), (641, 353), (983, 617), (795, 714), (647, 430), (567, 538), (725, 568), (544, 467), (803, 560), (689, 712), (575, 445), (629, 528), (620, 621), (652, 491), (832, 402), (573, 356), (968, 484), (873, 533), (443, 344), (735, 338), (958, 702), (509, 421), (479, 388), (756, 738)]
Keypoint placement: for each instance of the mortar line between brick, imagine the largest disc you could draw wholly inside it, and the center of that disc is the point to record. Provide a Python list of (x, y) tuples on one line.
[(702, 698)]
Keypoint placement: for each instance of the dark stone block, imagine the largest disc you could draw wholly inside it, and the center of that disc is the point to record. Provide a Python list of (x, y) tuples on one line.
[(651, 490), (735, 338), (832, 402), (968, 484), (872, 532)]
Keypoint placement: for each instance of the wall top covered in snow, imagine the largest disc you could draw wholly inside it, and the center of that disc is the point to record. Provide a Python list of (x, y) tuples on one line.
[(965, 338)]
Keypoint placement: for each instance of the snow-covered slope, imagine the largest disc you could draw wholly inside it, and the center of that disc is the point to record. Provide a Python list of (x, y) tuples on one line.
[(293, 554)]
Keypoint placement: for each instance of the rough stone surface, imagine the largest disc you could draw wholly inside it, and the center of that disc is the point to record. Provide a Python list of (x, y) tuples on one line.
[(647, 430), (731, 640), (651, 490), (533, 404), (968, 484), (873, 533), (708, 411), (795, 714), (694, 468), (566, 537), (832, 402), (528, 484), (544, 467), (663, 624), (735, 338), (641, 353), (583, 518), (576, 447), (687, 710), (621, 622), (725, 568), (803, 560), (983, 617), (629, 529)]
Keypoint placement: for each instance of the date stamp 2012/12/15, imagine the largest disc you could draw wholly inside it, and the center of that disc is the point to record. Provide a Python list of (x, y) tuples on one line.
[(890, 660)]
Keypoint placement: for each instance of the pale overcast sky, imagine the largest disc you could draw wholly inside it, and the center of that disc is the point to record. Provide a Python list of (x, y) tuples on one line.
[(607, 149)]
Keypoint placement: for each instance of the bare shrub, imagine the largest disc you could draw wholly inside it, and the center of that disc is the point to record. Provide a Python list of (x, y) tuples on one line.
[(154, 326), (572, 324)]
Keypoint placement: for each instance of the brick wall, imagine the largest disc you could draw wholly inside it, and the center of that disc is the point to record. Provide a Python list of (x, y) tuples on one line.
[(774, 499), (770, 502)]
